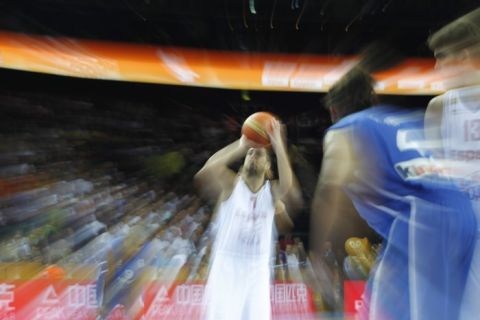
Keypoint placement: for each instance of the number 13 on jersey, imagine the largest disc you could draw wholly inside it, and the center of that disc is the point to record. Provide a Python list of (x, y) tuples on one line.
[(471, 130)]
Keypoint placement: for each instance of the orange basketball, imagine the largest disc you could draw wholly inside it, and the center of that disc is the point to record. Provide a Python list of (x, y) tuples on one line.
[(256, 126)]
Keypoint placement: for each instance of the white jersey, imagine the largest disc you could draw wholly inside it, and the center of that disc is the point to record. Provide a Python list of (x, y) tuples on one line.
[(461, 138), (245, 223), (461, 144), (238, 286)]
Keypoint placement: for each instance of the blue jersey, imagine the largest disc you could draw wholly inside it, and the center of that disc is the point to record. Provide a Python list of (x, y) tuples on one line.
[(427, 224)]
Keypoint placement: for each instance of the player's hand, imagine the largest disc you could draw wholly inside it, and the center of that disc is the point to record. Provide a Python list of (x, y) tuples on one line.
[(276, 136), (246, 144)]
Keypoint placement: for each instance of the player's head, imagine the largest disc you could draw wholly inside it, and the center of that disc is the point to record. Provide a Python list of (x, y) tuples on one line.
[(352, 93), (457, 43), (257, 163)]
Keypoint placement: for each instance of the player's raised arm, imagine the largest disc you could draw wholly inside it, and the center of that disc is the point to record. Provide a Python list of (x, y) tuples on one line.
[(433, 122), (282, 219), (215, 176), (328, 204), (285, 176)]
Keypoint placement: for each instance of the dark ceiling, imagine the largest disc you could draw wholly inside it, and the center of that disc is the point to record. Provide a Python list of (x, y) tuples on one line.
[(298, 26)]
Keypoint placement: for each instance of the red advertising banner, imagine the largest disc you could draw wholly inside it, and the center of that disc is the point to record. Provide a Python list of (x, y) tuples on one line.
[(353, 303), (42, 299), (57, 296), (185, 301), (30, 291)]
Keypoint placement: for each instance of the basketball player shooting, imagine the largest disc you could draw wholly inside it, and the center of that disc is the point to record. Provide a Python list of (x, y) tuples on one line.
[(238, 285)]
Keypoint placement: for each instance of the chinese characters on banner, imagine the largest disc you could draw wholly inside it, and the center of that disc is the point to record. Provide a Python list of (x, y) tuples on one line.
[(41, 299), (185, 301)]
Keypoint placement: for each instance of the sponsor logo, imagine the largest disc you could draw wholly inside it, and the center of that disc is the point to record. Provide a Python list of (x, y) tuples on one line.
[(420, 168)]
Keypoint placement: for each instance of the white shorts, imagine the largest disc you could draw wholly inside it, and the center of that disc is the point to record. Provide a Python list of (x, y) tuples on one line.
[(238, 289)]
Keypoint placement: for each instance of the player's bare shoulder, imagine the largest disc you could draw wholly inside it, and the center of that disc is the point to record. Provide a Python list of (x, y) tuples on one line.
[(435, 106), (433, 118), (228, 188)]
